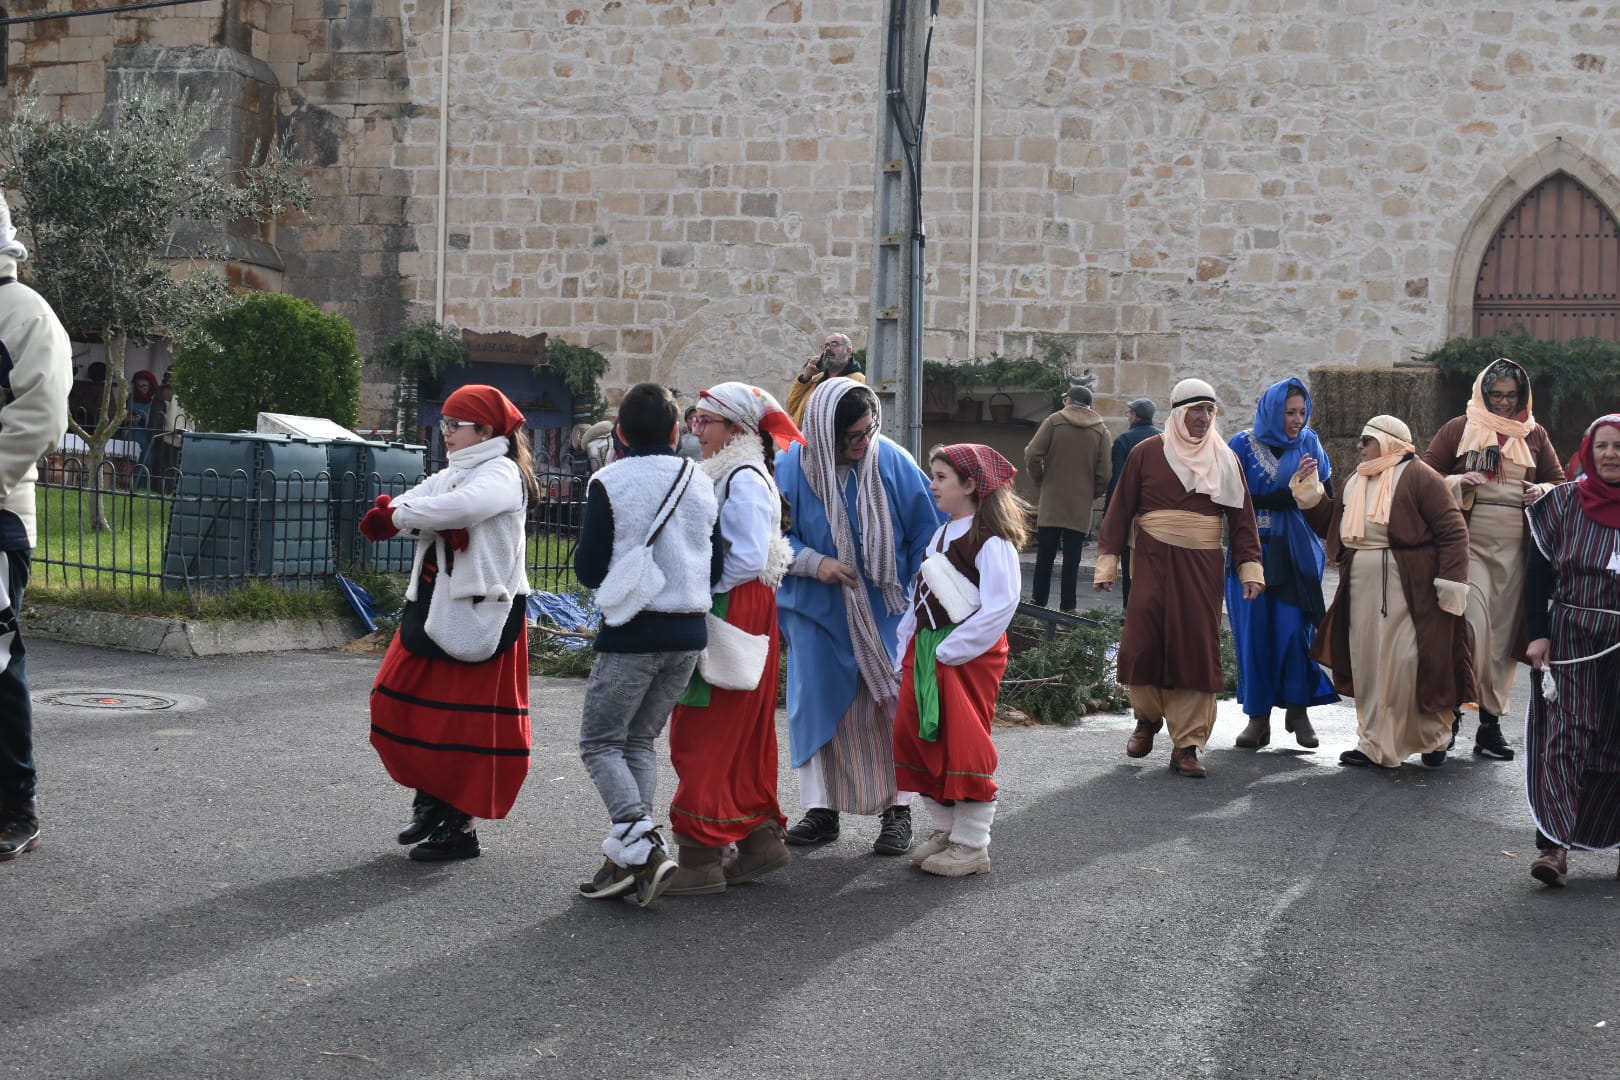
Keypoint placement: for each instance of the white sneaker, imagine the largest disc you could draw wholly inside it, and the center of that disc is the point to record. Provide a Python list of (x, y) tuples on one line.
[(958, 860), (937, 841)]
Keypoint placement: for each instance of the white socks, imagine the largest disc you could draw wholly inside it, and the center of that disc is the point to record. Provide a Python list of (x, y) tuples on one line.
[(970, 825), (940, 816), (630, 843)]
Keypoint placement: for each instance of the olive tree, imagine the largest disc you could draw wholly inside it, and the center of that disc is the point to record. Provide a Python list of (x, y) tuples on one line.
[(100, 205)]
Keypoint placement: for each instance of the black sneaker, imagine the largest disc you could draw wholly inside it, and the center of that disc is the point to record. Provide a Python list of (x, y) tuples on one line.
[(818, 826), (19, 831), (651, 878), (1358, 759), (427, 813), (1434, 759), (894, 838), (1489, 741), (451, 840), (611, 880)]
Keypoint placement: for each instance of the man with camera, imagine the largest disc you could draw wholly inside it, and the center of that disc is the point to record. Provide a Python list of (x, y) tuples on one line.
[(837, 359)]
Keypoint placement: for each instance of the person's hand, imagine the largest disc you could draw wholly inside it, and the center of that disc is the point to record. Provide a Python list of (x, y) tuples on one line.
[(1103, 586), (832, 572), (456, 538), (1306, 471), (1471, 480), (1532, 493), (378, 524), (811, 369), (1537, 653), (1252, 590)]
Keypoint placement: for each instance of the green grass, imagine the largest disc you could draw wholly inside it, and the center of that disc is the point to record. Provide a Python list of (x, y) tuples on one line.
[(259, 601), (118, 557)]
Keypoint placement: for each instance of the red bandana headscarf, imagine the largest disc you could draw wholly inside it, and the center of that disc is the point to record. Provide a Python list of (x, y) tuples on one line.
[(1600, 501), (988, 469), (484, 405)]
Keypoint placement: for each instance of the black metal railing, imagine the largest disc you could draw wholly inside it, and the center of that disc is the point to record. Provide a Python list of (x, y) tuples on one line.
[(129, 529)]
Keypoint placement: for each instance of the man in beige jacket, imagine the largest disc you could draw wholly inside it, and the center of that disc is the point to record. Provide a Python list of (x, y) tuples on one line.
[(36, 370), (1070, 462)]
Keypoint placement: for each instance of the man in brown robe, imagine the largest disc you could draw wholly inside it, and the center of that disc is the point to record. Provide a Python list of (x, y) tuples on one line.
[(1402, 552), (1168, 508)]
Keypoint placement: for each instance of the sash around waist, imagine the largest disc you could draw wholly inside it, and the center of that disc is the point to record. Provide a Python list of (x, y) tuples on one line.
[(1180, 528)]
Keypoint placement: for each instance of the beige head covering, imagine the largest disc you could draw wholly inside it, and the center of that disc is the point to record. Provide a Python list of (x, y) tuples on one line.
[(1204, 466), (1394, 440), (1487, 439)]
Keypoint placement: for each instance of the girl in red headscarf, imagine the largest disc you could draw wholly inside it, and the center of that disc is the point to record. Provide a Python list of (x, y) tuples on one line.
[(450, 707), (954, 640)]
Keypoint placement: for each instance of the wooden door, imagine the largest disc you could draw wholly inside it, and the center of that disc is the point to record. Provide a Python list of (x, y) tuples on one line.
[(1553, 267)]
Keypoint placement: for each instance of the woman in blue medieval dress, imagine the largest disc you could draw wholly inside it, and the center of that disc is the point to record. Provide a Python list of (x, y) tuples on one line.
[(1273, 633)]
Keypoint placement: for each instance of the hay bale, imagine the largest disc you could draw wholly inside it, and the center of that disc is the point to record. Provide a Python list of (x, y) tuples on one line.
[(1344, 398)]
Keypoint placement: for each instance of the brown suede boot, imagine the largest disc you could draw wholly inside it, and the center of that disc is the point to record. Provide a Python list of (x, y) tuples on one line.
[(1296, 721), (698, 870), (758, 853)]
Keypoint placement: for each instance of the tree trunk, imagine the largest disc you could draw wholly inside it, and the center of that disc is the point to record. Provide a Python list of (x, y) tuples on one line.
[(111, 418)]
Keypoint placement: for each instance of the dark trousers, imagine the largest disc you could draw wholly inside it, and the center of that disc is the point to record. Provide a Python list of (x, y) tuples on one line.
[(16, 709), (1048, 537), (1125, 578)]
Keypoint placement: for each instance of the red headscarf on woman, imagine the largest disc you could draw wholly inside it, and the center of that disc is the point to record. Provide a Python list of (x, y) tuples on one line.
[(484, 405), (1599, 500)]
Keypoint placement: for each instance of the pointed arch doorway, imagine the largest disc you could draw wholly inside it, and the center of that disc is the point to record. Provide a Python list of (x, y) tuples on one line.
[(1552, 267)]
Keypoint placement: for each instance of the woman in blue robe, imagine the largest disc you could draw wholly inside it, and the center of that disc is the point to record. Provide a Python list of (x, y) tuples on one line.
[(1273, 634)]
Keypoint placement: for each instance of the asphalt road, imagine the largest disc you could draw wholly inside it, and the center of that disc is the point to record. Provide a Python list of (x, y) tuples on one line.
[(219, 895)]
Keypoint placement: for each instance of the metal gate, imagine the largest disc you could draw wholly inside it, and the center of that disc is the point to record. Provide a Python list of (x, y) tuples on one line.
[(1553, 267)]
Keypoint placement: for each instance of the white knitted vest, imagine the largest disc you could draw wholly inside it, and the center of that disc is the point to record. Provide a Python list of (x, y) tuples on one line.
[(635, 488)]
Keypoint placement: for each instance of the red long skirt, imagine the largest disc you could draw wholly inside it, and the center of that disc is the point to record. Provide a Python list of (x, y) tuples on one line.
[(459, 732), (961, 763), (725, 753)]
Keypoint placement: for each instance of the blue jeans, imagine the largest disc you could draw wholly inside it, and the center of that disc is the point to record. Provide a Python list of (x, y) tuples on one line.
[(628, 700), (16, 708)]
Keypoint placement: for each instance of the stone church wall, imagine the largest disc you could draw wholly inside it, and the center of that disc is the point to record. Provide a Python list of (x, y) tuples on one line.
[(1241, 189)]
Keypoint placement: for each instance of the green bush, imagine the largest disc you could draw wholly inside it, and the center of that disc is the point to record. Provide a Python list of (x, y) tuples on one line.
[(269, 352), (1581, 372)]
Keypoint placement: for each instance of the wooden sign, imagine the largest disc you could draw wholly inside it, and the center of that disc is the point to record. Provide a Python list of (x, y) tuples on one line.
[(505, 348)]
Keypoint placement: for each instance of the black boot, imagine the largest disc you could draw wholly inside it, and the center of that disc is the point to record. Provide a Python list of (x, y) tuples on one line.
[(19, 829), (894, 838), (1489, 741), (426, 814), (818, 826), (455, 838)]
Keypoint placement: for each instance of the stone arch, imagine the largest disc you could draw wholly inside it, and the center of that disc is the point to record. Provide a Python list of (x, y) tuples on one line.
[(762, 340), (1559, 156)]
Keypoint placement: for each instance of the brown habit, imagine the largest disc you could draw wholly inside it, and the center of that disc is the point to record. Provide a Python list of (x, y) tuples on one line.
[(1173, 625), (1427, 540)]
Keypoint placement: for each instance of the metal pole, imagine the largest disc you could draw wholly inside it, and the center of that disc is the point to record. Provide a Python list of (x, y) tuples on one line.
[(894, 342)]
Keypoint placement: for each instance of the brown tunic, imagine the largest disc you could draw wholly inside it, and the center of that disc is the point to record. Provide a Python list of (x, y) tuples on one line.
[(1173, 624), (1427, 540)]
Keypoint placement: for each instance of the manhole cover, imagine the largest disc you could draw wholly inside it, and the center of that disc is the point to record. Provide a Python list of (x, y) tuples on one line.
[(108, 699)]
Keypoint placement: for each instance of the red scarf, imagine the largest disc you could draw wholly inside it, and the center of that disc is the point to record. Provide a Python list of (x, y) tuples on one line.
[(1600, 501)]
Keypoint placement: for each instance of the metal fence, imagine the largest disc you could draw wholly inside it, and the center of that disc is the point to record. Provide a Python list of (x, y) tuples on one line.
[(209, 531)]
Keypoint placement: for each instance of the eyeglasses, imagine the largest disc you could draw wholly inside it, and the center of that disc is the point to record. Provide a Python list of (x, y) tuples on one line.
[(701, 423), (855, 436), (1503, 399), (450, 427)]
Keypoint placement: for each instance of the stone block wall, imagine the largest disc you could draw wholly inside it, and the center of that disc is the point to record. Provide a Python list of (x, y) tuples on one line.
[(1241, 191)]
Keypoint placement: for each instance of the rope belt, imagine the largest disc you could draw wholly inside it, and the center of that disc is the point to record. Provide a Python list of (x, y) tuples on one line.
[(1549, 687)]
